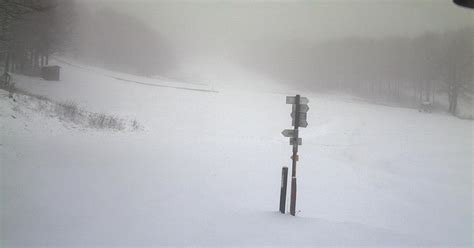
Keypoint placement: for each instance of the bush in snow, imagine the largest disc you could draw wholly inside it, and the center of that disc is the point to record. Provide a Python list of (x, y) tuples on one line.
[(103, 121), (68, 110), (135, 125)]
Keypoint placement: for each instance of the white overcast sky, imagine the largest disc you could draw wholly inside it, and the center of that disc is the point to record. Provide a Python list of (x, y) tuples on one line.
[(206, 27)]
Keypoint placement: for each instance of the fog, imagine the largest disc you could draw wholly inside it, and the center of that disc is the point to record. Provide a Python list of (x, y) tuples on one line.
[(350, 46), (204, 25), (214, 41), (175, 123)]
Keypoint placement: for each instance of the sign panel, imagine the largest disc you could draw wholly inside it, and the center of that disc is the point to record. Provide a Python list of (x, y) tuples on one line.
[(302, 123), (303, 108), (292, 100), (293, 141), (302, 115), (289, 133)]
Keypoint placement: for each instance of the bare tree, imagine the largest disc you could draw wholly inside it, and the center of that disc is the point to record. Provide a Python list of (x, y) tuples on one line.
[(29, 32), (456, 66)]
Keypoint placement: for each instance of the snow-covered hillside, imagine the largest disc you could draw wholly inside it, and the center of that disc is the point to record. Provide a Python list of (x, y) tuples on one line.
[(205, 170)]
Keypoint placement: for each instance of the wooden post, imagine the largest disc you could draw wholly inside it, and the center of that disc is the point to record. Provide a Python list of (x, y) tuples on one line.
[(294, 157), (284, 182), (293, 196)]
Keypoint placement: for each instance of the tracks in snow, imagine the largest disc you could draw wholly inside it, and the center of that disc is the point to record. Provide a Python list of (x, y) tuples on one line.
[(137, 82)]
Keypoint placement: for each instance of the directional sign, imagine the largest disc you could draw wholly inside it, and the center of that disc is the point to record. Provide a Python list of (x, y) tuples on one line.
[(302, 115), (302, 123), (292, 141), (300, 110), (292, 100), (289, 133), (303, 108)]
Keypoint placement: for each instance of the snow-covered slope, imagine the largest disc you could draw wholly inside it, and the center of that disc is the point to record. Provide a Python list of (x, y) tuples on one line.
[(206, 169)]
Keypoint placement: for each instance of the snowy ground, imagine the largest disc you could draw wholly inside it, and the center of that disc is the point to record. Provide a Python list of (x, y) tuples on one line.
[(205, 170)]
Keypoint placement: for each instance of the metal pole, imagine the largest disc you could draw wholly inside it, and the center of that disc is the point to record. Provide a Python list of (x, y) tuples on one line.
[(294, 157), (284, 183)]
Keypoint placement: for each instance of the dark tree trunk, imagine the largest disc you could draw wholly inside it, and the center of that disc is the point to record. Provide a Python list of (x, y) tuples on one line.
[(7, 62), (455, 99)]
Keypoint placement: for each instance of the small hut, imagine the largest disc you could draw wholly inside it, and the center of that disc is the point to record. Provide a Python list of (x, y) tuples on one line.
[(50, 73)]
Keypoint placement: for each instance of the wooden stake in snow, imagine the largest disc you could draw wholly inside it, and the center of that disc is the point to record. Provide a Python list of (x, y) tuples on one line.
[(284, 182)]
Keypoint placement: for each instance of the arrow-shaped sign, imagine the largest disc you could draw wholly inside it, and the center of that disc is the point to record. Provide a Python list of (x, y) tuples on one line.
[(302, 115), (303, 108), (289, 133), (302, 123), (292, 141), (292, 100)]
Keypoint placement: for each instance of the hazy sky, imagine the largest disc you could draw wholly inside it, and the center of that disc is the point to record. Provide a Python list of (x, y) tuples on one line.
[(201, 30), (211, 23)]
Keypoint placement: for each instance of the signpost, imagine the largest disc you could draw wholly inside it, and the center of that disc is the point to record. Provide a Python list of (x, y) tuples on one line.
[(292, 100), (298, 116), (293, 141), (289, 133)]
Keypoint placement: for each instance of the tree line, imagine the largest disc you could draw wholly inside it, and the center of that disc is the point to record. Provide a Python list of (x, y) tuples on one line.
[(32, 30), (114, 40), (403, 70)]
